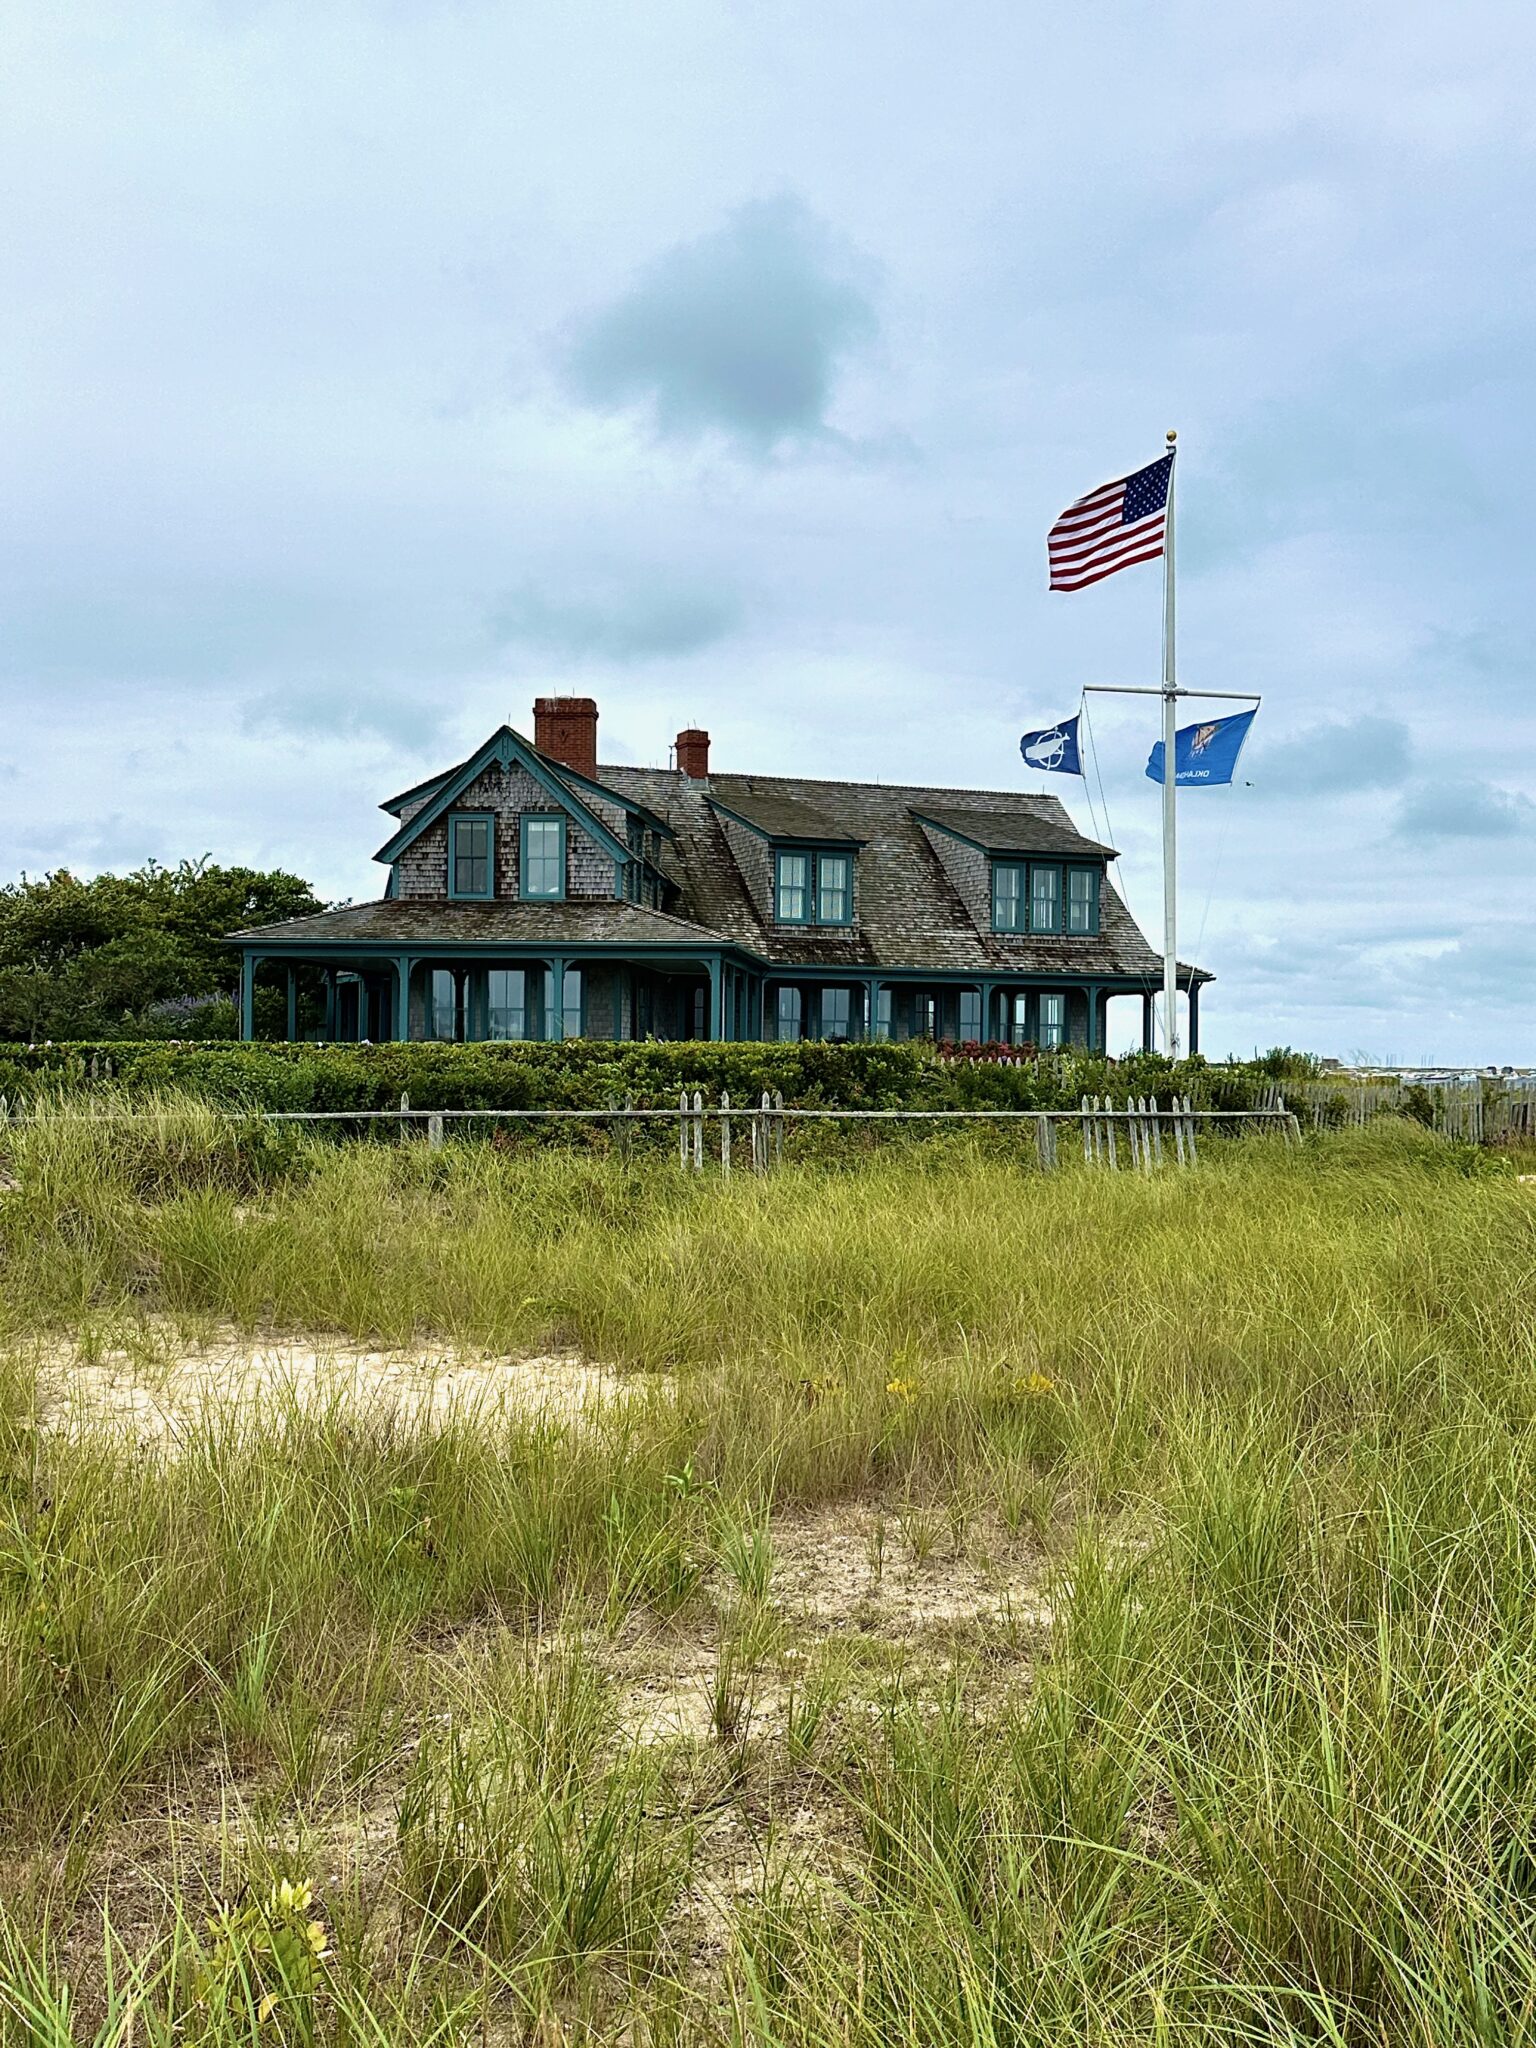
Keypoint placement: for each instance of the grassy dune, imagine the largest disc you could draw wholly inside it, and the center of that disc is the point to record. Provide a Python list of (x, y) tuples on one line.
[(1252, 1756)]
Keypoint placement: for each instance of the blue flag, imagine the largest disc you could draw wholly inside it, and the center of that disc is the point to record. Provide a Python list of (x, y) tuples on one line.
[(1203, 754), (1054, 749)]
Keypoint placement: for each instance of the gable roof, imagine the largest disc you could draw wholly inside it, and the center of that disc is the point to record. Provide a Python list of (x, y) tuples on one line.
[(909, 912), (1012, 831), (508, 747), (776, 815)]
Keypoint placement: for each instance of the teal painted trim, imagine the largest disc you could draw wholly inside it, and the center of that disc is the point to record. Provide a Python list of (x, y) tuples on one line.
[(396, 804), (510, 749), (808, 863), (1054, 928), (248, 996), (293, 1007), (456, 820), (635, 808), (1095, 1037), (528, 819), (400, 1020), (813, 856), (1001, 852), (1096, 879), (822, 856), (1018, 904), (716, 1030)]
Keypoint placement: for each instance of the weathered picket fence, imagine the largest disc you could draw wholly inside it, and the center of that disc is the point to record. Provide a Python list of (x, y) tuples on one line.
[(1480, 1109), (1141, 1125)]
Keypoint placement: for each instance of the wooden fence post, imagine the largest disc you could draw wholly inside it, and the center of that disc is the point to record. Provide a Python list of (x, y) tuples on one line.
[(682, 1130), (1157, 1134), (434, 1131), (1189, 1138), (1109, 1129), (725, 1133), (698, 1130)]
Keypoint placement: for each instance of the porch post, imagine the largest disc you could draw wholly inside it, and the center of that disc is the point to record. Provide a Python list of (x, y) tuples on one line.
[(401, 1020), (329, 1026), (1092, 1039), (988, 989), (248, 997), (554, 1001), (715, 971), (293, 1005), (1194, 1015), (1146, 1020)]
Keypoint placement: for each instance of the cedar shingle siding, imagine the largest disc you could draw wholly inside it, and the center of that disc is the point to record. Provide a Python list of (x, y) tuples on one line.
[(675, 874)]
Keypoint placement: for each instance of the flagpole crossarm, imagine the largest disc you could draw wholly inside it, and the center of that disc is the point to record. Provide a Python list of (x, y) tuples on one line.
[(1135, 690)]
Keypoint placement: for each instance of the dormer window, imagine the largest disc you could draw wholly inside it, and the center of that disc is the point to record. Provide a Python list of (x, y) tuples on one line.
[(471, 856), (812, 887), (1043, 896), (542, 876)]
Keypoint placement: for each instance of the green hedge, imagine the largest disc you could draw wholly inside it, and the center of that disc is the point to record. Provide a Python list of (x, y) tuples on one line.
[(591, 1073)]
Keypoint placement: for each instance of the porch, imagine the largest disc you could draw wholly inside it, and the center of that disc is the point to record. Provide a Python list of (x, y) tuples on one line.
[(456, 999)]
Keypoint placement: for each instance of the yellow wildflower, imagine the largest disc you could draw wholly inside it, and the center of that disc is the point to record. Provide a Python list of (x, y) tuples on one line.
[(318, 1937), (1035, 1385), (904, 1390)]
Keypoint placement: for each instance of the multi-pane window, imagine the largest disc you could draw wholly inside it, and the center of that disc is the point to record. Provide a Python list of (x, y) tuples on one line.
[(1053, 1019), (813, 888), (925, 1016), (883, 1009), (442, 1003), (1027, 897), (832, 888), (792, 904), (506, 1009), (970, 1015), (562, 1004), (836, 1012), (543, 865), (1008, 900), (469, 857), (1082, 900), (1018, 1018), (788, 1013)]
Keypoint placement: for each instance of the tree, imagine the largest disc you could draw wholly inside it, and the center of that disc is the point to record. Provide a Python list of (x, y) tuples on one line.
[(96, 959)]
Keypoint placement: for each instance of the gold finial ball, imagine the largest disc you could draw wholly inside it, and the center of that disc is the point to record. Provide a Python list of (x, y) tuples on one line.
[(1172, 434)]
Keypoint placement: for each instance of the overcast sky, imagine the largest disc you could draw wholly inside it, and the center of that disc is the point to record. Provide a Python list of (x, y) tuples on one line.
[(368, 369)]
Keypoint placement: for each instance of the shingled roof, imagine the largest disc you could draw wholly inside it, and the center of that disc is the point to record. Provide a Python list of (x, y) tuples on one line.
[(422, 920), (910, 914)]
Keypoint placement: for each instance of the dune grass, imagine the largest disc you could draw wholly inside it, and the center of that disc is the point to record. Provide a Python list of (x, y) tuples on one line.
[(1261, 1768)]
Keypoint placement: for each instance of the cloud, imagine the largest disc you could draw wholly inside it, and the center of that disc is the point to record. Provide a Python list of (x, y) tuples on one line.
[(630, 626), (741, 332), (344, 708), (1323, 760), (1464, 810)]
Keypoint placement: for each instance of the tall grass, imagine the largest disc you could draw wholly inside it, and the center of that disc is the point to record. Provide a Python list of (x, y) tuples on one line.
[(1272, 1779)]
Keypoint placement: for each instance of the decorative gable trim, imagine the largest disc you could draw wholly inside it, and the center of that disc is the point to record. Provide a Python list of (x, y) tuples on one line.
[(509, 749), (614, 796)]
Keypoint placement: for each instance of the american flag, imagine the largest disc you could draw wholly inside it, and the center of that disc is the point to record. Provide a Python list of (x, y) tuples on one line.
[(1112, 527)]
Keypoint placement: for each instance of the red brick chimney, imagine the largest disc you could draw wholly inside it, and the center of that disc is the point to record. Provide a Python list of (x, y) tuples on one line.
[(565, 728), (693, 754)]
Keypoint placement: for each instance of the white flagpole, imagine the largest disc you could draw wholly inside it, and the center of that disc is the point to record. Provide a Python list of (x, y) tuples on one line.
[(1170, 786)]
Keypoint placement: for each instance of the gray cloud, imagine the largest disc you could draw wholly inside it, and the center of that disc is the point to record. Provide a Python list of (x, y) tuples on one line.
[(741, 331), (1464, 810), (346, 707), (626, 626), (1325, 760)]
